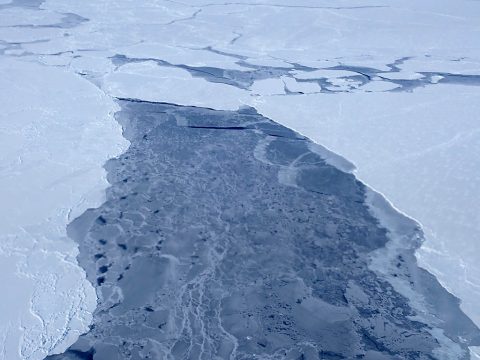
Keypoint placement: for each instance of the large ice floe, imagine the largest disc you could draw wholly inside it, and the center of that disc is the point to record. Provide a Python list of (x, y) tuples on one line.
[(56, 132), (224, 234)]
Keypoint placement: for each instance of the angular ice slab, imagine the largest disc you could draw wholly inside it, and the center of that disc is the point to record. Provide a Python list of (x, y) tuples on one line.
[(227, 236)]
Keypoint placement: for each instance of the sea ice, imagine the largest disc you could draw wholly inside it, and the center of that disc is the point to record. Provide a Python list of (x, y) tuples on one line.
[(56, 132)]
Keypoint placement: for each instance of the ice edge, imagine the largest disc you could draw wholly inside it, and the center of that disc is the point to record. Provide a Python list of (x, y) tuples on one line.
[(404, 232)]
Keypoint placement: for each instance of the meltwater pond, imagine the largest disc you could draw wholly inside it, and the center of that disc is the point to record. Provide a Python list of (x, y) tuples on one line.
[(224, 236)]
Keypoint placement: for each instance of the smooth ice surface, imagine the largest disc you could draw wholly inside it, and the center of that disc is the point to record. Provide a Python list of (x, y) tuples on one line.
[(56, 131), (148, 81)]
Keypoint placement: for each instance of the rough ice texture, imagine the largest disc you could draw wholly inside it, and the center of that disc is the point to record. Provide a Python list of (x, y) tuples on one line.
[(51, 171), (224, 236)]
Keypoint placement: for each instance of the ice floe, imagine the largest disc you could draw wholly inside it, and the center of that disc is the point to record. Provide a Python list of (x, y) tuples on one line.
[(56, 131)]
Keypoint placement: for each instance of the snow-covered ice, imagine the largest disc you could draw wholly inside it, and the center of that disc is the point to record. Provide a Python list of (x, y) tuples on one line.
[(392, 87), (56, 132)]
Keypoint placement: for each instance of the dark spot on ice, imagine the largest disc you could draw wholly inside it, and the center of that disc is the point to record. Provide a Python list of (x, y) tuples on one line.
[(219, 127), (101, 220), (80, 355), (100, 280), (330, 355)]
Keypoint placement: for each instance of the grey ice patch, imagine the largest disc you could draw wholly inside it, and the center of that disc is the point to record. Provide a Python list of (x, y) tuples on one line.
[(68, 21), (32, 4), (199, 252)]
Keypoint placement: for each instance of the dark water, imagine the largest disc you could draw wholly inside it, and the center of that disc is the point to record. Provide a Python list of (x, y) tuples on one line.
[(224, 237)]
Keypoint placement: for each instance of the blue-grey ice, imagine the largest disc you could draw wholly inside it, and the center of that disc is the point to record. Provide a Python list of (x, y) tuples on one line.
[(225, 236)]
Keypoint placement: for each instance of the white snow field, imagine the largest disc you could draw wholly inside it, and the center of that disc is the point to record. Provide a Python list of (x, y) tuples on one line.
[(56, 132), (392, 86)]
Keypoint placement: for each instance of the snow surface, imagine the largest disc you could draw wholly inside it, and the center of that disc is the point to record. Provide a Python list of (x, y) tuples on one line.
[(56, 132), (392, 87)]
